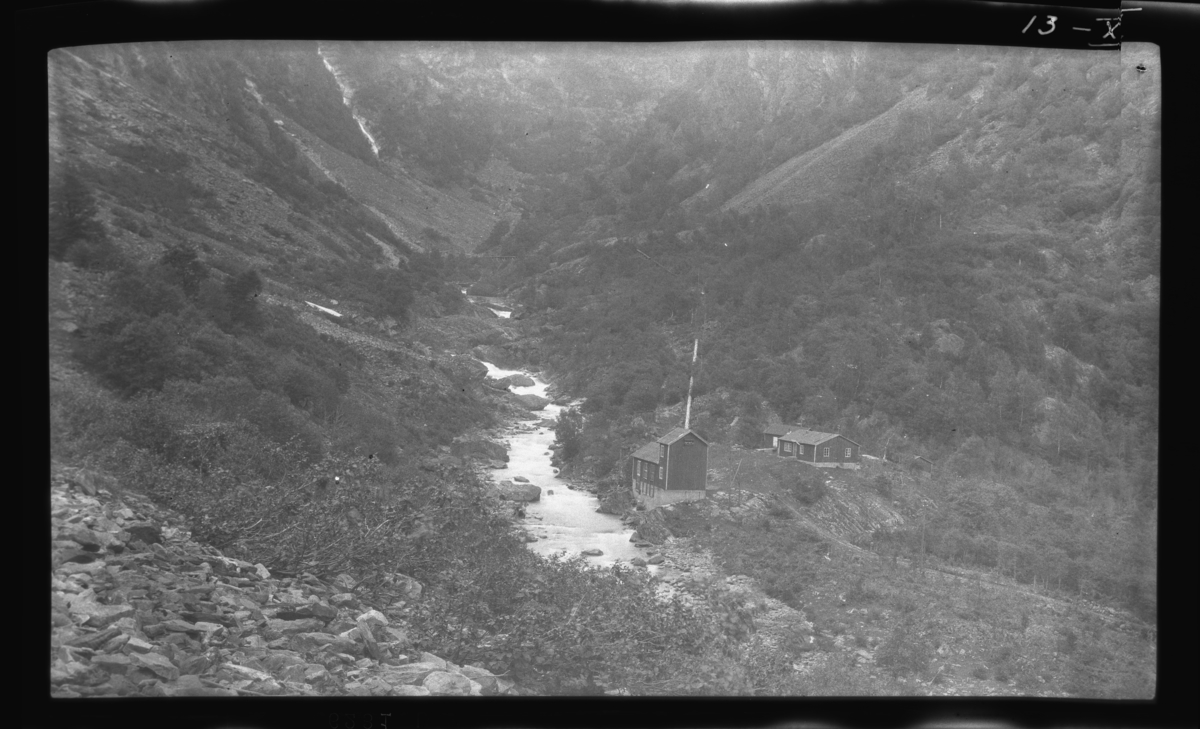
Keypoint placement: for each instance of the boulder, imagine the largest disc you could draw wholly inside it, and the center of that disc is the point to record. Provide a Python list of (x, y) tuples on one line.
[(410, 674), (517, 380), (475, 369), (309, 642), (442, 683), (487, 681), (479, 448), (637, 562), (410, 589), (155, 663), (373, 618), (592, 552), (496, 355), (520, 492), (616, 502), (656, 559), (520, 479), (531, 402), (652, 528), (145, 531)]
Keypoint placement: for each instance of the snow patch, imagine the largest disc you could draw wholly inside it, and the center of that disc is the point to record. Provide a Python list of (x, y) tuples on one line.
[(323, 309)]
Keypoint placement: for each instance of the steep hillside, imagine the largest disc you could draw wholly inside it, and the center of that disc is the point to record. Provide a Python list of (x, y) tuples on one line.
[(820, 171), (223, 152)]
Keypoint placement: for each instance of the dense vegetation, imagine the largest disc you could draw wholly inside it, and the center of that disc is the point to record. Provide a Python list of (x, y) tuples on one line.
[(978, 288)]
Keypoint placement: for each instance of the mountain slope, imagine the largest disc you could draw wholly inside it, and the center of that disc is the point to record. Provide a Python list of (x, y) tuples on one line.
[(820, 170)]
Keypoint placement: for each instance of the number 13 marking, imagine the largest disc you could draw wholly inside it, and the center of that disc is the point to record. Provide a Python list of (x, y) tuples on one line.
[(1050, 20)]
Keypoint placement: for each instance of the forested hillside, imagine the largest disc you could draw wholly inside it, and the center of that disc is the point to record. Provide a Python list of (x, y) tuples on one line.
[(957, 258)]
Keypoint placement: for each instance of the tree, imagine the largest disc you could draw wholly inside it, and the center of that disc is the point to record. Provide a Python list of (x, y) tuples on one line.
[(72, 217), (242, 291), (568, 431), (184, 268)]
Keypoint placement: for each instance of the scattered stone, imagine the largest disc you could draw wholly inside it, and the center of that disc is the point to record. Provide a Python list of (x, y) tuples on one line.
[(441, 683), (487, 681), (156, 663), (145, 531), (411, 673)]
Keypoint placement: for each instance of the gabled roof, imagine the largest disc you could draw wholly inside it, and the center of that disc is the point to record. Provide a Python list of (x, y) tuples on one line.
[(648, 452), (778, 429), (809, 437), (678, 433)]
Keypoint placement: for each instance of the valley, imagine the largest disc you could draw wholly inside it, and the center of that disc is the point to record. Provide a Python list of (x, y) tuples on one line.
[(288, 283)]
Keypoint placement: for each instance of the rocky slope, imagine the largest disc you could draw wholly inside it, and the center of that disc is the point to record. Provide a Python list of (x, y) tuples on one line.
[(140, 609)]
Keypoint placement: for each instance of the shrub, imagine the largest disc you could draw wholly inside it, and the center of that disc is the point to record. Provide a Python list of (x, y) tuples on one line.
[(906, 650), (882, 485), (807, 487), (132, 354)]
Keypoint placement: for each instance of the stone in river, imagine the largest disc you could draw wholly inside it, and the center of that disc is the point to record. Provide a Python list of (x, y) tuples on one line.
[(520, 479), (532, 402), (517, 380), (520, 492), (637, 562), (549, 491), (592, 552)]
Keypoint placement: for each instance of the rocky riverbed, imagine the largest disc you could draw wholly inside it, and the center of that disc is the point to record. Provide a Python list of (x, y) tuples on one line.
[(140, 609)]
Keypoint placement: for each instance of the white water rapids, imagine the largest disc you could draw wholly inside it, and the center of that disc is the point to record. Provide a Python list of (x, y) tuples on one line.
[(566, 520)]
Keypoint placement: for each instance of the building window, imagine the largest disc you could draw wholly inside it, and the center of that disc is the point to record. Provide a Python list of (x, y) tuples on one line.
[(847, 453), (787, 447), (662, 452), (825, 453)]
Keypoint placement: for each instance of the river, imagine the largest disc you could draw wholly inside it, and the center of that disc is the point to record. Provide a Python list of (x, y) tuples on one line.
[(566, 520)]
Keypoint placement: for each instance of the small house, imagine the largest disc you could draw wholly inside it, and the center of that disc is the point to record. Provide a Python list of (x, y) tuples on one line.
[(921, 465), (771, 434), (820, 449), (671, 468)]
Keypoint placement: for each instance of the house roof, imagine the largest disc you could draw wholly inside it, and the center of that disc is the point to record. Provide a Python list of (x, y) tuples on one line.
[(778, 429), (678, 433), (648, 452), (811, 437)]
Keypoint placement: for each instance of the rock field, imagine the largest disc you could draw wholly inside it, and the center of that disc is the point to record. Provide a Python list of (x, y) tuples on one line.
[(140, 609)]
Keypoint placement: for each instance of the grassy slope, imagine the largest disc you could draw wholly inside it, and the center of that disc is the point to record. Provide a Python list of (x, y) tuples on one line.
[(881, 623)]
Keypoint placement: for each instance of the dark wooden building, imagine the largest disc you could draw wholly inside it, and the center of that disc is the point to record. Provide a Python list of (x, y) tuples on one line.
[(671, 468), (820, 449), (772, 433)]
